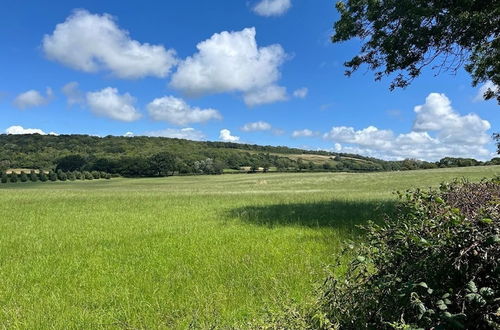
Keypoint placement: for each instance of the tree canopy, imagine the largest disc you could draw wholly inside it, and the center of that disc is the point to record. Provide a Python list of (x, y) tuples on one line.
[(402, 37)]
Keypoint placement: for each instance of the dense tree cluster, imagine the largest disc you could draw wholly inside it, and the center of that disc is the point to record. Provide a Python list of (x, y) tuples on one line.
[(155, 157)]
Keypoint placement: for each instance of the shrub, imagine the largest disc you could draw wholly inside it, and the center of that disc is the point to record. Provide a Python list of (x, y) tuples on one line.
[(88, 176), (33, 176), (437, 265), (5, 178), (78, 175), (13, 177), (71, 176), (42, 176), (107, 176), (23, 177), (52, 176), (61, 175), (96, 174)]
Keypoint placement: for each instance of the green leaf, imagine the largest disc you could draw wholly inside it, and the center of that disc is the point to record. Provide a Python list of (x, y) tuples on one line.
[(493, 239), (441, 305), (471, 287), (421, 310), (486, 221), (487, 292), (475, 298)]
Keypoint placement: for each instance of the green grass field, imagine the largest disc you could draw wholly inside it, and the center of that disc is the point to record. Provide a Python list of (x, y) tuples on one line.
[(181, 251)]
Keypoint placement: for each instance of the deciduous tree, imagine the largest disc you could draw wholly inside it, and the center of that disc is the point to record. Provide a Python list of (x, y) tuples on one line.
[(403, 37)]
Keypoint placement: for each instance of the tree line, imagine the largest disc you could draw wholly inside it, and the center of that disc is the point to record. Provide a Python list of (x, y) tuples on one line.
[(156, 157)]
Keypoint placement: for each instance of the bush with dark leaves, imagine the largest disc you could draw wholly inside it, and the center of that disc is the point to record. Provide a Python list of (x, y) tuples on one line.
[(435, 265)]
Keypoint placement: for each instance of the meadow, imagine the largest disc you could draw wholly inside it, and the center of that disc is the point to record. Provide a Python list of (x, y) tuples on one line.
[(177, 252)]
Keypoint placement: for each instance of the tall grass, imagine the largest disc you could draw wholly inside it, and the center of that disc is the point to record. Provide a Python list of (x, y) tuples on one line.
[(181, 251)]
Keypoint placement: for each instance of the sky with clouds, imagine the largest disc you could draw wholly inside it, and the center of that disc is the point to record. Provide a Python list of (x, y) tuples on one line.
[(250, 71)]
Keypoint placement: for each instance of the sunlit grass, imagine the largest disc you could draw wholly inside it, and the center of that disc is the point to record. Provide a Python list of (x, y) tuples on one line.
[(181, 251)]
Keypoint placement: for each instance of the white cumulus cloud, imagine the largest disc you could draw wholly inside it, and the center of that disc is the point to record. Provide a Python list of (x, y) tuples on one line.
[(187, 133), (73, 93), (109, 103), (438, 131), (270, 94), (177, 111), (225, 135), (304, 133), (301, 93), (256, 126), (272, 7), (18, 130), (438, 115), (232, 62), (93, 42), (33, 98)]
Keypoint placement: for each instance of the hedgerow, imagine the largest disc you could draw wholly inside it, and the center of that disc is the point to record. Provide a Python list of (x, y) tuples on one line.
[(436, 265), (50, 176)]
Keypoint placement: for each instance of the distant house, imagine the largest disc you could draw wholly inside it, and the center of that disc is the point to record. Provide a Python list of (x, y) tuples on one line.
[(25, 170)]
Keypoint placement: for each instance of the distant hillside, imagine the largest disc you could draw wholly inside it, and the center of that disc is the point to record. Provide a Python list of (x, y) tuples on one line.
[(117, 153)]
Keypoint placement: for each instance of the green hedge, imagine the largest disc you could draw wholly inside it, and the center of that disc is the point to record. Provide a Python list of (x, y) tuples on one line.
[(51, 176)]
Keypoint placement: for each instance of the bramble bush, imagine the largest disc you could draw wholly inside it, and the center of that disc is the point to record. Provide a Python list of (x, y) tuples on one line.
[(436, 265)]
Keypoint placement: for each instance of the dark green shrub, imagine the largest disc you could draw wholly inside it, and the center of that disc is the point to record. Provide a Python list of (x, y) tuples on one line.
[(96, 174), (436, 265), (42, 176), (107, 176), (71, 176), (23, 177), (13, 177), (61, 176), (5, 178), (52, 176), (88, 176), (33, 176), (78, 175)]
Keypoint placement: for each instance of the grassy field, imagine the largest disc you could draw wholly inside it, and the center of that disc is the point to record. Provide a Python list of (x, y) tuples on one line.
[(181, 251)]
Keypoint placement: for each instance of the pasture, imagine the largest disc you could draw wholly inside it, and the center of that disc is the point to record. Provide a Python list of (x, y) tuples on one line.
[(176, 252)]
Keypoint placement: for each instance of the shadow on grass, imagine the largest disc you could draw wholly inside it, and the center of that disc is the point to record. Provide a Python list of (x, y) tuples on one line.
[(333, 214)]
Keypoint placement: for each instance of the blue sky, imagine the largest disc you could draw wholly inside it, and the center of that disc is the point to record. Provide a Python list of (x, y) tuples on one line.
[(259, 71)]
